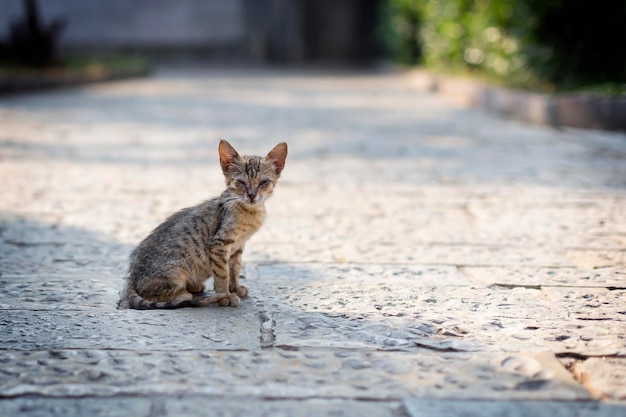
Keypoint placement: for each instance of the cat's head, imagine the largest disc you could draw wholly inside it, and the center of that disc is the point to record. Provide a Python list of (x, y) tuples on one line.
[(252, 178)]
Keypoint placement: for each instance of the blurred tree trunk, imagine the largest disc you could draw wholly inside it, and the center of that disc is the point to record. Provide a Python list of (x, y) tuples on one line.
[(33, 43)]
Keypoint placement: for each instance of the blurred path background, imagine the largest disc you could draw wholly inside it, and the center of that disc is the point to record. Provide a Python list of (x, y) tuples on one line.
[(418, 259)]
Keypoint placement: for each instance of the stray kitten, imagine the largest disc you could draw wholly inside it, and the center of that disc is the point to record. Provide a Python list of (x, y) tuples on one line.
[(169, 267)]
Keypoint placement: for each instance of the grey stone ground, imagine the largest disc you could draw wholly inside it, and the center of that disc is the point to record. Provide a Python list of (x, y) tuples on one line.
[(418, 259)]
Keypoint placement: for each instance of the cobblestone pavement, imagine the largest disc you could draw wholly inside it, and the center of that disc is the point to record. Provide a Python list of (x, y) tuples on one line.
[(418, 259)]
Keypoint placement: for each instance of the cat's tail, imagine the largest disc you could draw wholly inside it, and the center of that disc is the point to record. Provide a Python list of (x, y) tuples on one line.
[(133, 300)]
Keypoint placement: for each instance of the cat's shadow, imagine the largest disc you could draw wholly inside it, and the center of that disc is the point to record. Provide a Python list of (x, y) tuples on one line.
[(50, 269), (54, 266)]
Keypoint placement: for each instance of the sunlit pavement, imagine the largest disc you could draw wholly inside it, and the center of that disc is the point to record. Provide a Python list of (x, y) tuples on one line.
[(417, 259)]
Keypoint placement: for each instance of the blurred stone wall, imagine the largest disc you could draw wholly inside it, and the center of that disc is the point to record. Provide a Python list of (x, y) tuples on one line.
[(267, 30), (139, 24), (312, 30)]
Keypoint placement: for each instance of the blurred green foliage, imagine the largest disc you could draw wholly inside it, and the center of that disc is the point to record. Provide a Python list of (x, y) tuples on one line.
[(535, 44)]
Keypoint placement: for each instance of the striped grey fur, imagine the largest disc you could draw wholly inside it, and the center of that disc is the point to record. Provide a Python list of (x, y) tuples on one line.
[(169, 267)]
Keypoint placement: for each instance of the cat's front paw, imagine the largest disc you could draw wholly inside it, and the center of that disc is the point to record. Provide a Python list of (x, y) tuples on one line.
[(230, 300), (242, 291)]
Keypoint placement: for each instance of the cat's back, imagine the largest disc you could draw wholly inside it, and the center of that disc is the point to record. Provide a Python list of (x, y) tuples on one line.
[(191, 225)]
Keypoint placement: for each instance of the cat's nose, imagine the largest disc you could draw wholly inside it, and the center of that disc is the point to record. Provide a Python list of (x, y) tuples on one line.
[(251, 195)]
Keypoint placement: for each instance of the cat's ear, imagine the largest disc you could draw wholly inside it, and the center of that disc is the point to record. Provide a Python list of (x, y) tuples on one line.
[(278, 156), (228, 155)]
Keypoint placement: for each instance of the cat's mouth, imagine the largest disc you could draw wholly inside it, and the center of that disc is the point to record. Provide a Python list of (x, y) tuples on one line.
[(252, 200)]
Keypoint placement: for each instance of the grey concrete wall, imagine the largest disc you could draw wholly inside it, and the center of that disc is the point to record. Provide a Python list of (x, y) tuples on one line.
[(139, 23)]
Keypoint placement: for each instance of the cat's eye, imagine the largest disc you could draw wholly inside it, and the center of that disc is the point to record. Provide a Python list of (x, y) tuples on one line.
[(241, 183), (264, 183)]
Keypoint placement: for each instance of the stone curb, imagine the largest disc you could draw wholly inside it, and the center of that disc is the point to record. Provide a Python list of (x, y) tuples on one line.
[(579, 110), (28, 83)]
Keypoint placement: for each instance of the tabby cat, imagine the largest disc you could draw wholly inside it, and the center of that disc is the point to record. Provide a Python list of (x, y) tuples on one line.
[(169, 267)]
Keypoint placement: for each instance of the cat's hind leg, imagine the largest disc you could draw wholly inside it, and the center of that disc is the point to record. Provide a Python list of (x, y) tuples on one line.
[(164, 288), (195, 287)]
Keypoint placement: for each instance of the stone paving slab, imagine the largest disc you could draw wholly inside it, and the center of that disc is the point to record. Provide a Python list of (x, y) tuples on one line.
[(197, 406), (50, 247), (434, 408), (603, 377), (592, 259), (546, 277), (388, 314), (306, 374), (451, 255), (415, 308), (55, 327), (193, 406), (399, 253), (206, 328), (495, 219), (65, 292), (357, 274), (393, 290), (588, 303), (432, 332)]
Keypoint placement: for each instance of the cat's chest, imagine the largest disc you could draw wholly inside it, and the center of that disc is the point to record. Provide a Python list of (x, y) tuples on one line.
[(245, 226)]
